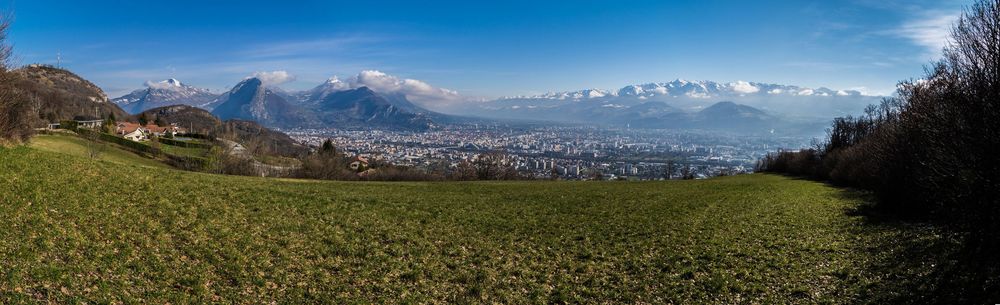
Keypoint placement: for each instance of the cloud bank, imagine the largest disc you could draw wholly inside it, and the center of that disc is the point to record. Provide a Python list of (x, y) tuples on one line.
[(744, 87), (417, 91), (274, 77)]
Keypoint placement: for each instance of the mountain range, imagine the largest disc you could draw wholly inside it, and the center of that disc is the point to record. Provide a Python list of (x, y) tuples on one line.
[(679, 104), (781, 100), (165, 93), (322, 106)]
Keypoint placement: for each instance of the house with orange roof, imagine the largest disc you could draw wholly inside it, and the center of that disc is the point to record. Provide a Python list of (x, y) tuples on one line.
[(136, 132), (131, 131), (160, 131)]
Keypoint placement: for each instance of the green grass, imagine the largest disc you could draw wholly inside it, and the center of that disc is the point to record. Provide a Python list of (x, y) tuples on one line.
[(182, 151), (75, 230), (72, 145)]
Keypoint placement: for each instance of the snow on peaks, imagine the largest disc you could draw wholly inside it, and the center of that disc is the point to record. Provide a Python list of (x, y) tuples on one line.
[(172, 83), (575, 95), (335, 84), (594, 93), (696, 89)]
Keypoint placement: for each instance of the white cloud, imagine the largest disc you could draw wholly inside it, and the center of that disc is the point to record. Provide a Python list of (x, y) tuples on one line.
[(931, 30), (418, 91), (274, 77), (744, 87), (698, 95)]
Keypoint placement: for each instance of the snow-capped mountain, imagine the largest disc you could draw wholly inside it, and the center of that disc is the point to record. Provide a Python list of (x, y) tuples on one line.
[(693, 89), (337, 103), (327, 105), (690, 96), (165, 93)]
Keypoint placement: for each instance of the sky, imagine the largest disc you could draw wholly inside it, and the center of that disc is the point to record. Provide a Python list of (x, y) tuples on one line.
[(486, 49)]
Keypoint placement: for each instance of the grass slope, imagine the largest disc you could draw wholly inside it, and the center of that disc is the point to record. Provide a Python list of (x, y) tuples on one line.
[(79, 230), (68, 144)]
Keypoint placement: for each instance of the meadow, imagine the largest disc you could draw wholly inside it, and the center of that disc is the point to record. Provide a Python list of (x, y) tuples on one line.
[(76, 230)]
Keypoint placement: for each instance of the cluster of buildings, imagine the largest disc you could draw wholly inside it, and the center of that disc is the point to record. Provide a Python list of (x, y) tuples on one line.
[(569, 152), (128, 130), (137, 132)]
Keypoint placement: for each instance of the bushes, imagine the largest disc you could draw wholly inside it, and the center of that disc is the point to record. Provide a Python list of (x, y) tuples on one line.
[(196, 136), (326, 165), (400, 173), (184, 144)]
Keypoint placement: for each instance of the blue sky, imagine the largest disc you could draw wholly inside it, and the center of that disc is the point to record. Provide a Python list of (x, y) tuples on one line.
[(487, 49)]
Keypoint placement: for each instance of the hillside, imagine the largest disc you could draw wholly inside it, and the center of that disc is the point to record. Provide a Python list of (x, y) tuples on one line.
[(203, 122), (78, 230), (195, 119), (76, 146), (63, 95)]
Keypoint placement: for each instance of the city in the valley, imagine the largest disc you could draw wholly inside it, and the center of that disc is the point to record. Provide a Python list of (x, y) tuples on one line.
[(568, 152)]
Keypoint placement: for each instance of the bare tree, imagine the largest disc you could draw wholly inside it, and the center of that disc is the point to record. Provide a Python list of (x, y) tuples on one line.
[(596, 174), (15, 107), (687, 173), (669, 170), (94, 147)]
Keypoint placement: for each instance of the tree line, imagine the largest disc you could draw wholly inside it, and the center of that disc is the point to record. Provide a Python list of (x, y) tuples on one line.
[(931, 150)]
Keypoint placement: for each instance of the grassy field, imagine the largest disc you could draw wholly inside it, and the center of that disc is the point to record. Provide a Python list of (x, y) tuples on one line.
[(76, 230), (182, 151), (68, 144)]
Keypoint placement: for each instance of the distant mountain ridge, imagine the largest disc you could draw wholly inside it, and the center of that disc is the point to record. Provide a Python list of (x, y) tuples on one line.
[(694, 89), (251, 100), (364, 107), (165, 93), (784, 100), (323, 106), (678, 104)]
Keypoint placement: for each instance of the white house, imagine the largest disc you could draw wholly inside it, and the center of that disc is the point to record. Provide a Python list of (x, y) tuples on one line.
[(131, 131)]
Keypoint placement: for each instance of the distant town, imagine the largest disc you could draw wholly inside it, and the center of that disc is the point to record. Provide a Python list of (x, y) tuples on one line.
[(570, 152)]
